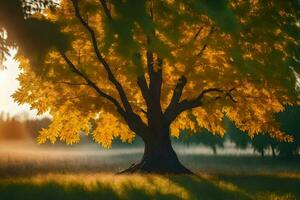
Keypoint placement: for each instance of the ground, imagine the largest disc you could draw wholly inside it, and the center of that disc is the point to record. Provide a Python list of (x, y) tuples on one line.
[(87, 174)]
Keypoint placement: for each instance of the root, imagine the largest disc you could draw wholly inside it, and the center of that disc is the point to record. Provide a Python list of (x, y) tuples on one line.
[(146, 168)]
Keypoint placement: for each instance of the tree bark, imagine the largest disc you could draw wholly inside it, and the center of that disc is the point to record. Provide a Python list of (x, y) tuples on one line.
[(214, 148), (159, 157), (262, 153), (273, 151)]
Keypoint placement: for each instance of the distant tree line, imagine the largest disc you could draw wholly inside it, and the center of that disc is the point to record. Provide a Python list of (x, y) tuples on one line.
[(261, 143), (14, 128)]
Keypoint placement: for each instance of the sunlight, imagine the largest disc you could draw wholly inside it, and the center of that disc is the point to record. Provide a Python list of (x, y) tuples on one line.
[(297, 83), (8, 85), (123, 186), (298, 23)]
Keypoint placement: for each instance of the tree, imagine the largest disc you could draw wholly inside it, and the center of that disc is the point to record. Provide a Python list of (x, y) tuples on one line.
[(204, 137), (34, 126), (12, 129), (289, 121), (152, 68), (261, 143), (240, 139)]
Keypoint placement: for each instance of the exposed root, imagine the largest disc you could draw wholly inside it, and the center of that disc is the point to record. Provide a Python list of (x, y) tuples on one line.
[(151, 168)]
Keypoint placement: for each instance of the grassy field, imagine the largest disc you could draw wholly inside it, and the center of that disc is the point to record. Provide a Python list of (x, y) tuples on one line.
[(40, 173), (108, 186)]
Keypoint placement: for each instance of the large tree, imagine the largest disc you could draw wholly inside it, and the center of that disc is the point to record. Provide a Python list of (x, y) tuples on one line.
[(150, 68)]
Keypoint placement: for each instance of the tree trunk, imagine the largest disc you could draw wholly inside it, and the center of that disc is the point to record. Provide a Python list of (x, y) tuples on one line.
[(262, 153), (159, 157), (214, 148), (273, 151)]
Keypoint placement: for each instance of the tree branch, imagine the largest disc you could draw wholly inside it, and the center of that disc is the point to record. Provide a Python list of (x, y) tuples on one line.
[(190, 104), (177, 93), (144, 111), (198, 32), (150, 64), (142, 83), (192, 39), (70, 83), (158, 78), (212, 30), (134, 121), (202, 50), (93, 85), (155, 75), (101, 59), (155, 83), (105, 8)]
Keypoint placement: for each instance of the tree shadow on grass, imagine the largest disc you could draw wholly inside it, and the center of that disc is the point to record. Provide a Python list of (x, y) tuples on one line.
[(148, 187), (133, 193), (266, 183), (241, 187), (202, 189), (53, 190)]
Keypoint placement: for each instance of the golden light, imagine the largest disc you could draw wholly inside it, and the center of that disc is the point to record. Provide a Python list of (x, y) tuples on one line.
[(8, 85)]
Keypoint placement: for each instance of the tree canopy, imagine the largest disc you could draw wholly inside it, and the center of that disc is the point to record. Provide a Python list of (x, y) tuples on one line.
[(103, 65)]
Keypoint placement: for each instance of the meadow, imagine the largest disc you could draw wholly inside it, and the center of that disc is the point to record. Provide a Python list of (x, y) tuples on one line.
[(85, 172)]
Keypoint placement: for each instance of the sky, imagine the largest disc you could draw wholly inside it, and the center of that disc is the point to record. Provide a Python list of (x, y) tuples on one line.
[(9, 84)]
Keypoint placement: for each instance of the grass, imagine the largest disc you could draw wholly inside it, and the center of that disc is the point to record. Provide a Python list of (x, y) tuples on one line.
[(108, 186), (79, 174)]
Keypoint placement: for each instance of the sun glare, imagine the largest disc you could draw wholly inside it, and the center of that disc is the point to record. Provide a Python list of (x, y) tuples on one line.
[(8, 85)]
